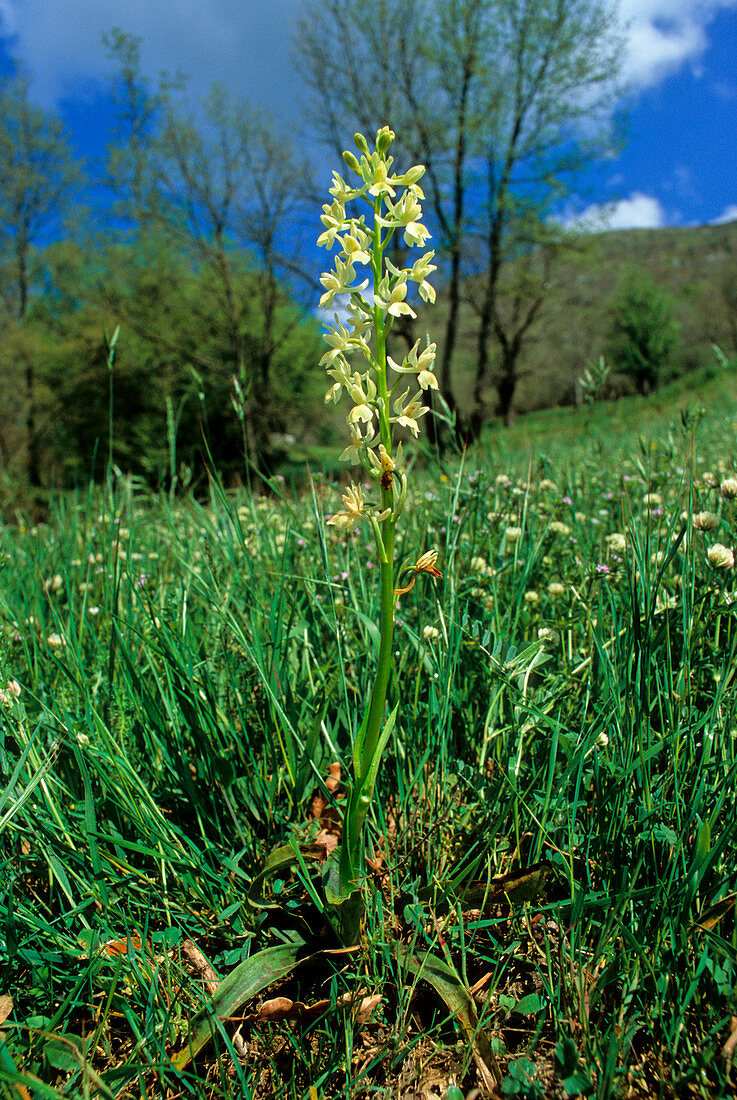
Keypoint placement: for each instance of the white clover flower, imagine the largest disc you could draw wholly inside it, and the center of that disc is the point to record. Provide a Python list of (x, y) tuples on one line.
[(556, 589), (729, 488), (56, 641), (559, 528), (513, 534), (10, 692), (706, 521), (721, 557), (652, 500), (430, 633), (616, 542)]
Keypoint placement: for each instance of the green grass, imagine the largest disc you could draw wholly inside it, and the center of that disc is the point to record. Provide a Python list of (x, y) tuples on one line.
[(213, 659)]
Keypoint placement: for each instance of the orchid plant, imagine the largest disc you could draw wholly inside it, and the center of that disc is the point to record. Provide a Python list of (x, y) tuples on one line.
[(373, 293)]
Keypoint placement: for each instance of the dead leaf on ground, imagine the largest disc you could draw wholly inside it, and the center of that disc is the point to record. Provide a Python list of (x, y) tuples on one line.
[(283, 1008), (6, 1007), (204, 971)]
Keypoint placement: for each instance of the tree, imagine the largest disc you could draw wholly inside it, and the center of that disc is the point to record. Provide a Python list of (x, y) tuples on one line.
[(38, 181), (171, 374), (223, 188), (644, 331), (503, 100)]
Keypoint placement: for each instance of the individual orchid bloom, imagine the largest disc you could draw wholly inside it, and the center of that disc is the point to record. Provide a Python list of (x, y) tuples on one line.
[(375, 173), (356, 244), (361, 387), (341, 192), (418, 364), (419, 272), (424, 564), (360, 413), (415, 361), (408, 415), (354, 509), (333, 218), (355, 448), (339, 282), (340, 372), (415, 233), (339, 339), (393, 303), (407, 215)]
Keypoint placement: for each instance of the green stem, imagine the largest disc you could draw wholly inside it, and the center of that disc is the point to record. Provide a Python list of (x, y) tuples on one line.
[(383, 671)]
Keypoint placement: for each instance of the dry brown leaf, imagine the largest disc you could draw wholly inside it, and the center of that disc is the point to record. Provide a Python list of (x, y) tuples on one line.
[(366, 1007), (204, 971), (283, 1008), (122, 946), (6, 1007), (328, 840), (716, 912)]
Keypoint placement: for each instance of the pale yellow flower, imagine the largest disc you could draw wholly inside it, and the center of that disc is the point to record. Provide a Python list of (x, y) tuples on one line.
[(354, 509), (393, 301), (408, 415)]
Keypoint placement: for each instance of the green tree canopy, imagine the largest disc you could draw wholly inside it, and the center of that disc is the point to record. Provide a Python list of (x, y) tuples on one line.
[(644, 334)]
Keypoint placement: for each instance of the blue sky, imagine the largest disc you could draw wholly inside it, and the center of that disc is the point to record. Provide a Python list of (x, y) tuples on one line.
[(678, 166)]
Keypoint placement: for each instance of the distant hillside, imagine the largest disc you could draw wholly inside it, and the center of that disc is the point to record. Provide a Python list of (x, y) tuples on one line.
[(697, 266)]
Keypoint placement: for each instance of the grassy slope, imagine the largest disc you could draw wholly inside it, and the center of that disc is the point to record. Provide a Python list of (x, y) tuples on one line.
[(173, 658), (698, 266)]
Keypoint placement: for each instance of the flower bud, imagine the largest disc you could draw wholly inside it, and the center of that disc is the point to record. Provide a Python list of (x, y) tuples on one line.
[(352, 161), (384, 138), (361, 144)]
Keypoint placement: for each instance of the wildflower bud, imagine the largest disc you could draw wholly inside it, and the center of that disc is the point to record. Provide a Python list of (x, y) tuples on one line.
[(729, 488), (721, 557), (352, 161), (414, 174), (384, 138), (361, 144)]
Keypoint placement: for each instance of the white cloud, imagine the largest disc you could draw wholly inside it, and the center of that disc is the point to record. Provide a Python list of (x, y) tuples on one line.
[(729, 214), (664, 35), (242, 44), (637, 212)]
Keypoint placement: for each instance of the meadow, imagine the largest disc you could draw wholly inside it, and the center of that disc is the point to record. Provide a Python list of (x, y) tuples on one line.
[(555, 818)]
